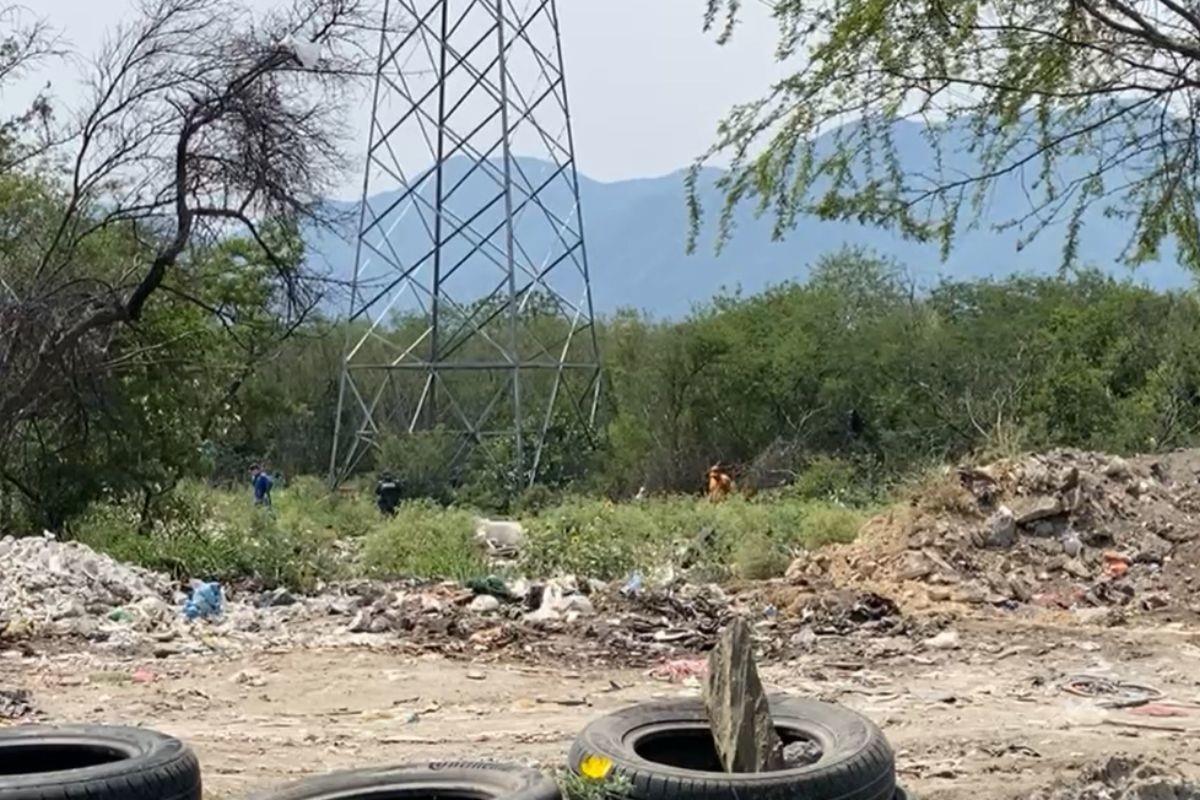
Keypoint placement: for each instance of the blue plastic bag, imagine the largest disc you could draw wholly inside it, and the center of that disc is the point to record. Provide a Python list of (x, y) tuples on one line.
[(205, 602)]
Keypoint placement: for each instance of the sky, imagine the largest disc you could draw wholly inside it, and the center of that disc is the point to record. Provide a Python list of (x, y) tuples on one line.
[(647, 86)]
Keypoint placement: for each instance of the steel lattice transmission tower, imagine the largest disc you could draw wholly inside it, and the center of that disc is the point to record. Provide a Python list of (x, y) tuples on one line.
[(471, 304)]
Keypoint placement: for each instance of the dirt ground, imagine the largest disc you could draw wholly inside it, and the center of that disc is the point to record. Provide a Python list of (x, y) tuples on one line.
[(988, 720)]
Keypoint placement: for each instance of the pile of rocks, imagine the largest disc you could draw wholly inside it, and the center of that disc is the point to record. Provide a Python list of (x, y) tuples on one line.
[(1066, 529), (50, 586)]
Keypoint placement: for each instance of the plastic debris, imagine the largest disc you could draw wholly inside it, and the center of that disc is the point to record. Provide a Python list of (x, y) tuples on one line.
[(634, 585), (206, 601)]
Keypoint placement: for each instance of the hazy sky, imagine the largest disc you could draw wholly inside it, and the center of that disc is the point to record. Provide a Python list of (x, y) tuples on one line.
[(647, 85)]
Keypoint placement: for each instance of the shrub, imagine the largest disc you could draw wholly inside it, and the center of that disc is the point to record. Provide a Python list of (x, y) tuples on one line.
[(607, 540), (835, 480), (758, 557), (214, 536), (825, 523), (424, 541), (592, 537)]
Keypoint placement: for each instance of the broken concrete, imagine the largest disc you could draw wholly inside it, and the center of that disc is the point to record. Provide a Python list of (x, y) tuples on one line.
[(1028, 510), (1000, 531), (737, 707)]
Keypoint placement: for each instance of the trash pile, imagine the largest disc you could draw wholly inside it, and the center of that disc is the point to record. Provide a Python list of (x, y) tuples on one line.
[(1124, 778), (68, 588), (1065, 529), (55, 592)]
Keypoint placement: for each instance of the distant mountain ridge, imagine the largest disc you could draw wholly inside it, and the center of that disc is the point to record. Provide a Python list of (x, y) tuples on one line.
[(636, 233)]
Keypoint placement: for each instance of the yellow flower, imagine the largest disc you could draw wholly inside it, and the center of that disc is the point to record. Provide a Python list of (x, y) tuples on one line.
[(596, 767)]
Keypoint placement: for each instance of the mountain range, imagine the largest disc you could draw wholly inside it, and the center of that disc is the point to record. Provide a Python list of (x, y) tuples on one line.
[(636, 234)]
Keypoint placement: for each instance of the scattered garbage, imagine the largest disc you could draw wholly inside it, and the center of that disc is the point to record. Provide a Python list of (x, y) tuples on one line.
[(634, 585), (946, 640), (801, 753), (52, 587), (1112, 693), (485, 604), (678, 670), (250, 677), (492, 586), (205, 602), (1116, 565)]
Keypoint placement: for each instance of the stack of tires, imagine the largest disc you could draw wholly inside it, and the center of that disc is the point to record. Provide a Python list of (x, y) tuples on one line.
[(660, 751)]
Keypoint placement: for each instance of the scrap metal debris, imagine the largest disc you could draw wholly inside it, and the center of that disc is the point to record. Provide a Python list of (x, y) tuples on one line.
[(1114, 693)]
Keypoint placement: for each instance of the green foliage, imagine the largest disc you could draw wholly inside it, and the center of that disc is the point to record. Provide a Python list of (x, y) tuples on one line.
[(757, 556), (427, 541), (423, 462), (836, 480), (608, 540), (1069, 104), (831, 524), (577, 787), (215, 536), (837, 388)]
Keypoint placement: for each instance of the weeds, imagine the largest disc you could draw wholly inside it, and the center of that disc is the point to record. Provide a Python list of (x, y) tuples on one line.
[(424, 540), (215, 536), (578, 787), (607, 540), (218, 535)]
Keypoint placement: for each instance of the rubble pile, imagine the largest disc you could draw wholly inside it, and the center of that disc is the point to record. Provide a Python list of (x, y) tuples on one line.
[(1123, 778), (66, 587), (1065, 529)]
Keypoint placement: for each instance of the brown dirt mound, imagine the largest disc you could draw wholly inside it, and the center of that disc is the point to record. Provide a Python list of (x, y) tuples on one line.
[(1065, 529)]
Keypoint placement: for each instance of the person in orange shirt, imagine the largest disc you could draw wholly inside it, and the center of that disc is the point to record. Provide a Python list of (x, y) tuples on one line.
[(720, 483)]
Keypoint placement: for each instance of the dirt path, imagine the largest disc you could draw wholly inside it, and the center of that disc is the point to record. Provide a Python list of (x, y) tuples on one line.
[(989, 719)]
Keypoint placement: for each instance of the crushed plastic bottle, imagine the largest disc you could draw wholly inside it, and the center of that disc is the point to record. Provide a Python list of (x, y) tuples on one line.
[(205, 602)]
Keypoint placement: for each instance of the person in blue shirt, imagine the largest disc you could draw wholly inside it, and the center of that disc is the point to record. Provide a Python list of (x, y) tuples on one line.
[(262, 483)]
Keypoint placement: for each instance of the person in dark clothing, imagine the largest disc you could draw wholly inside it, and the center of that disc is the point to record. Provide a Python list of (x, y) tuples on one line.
[(387, 494), (262, 483), (855, 424)]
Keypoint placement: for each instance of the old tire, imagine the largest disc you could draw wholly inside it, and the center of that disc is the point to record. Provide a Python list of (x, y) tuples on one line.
[(665, 752), (444, 781), (95, 762)]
